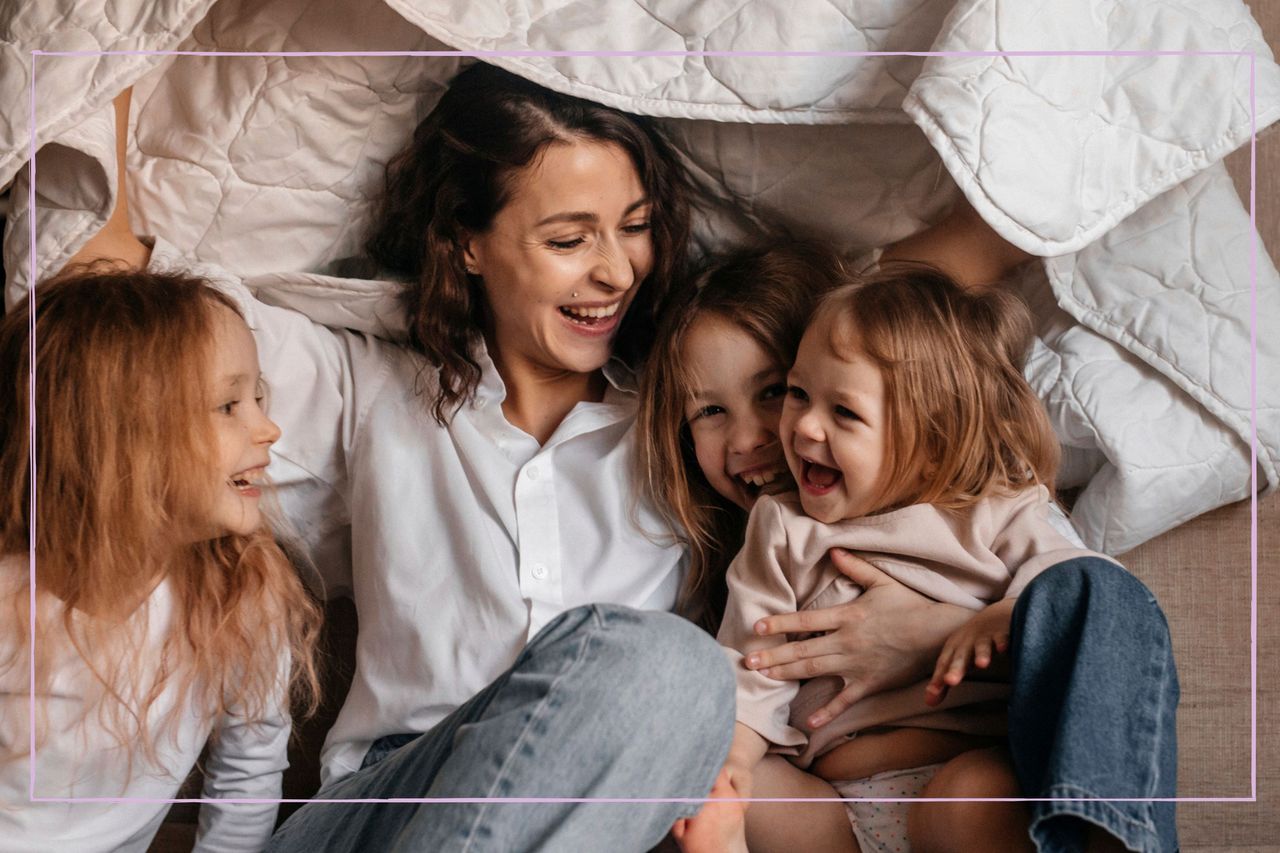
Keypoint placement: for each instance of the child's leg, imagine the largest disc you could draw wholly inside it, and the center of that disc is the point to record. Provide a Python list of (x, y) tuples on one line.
[(787, 827), (966, 826)]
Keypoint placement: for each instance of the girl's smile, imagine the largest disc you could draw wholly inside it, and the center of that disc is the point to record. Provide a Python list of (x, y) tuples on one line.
[(834, 428), (733, 411), (243, 432)]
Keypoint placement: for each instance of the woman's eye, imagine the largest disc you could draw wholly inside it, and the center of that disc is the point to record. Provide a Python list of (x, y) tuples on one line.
[(846, 413), (636, 228), (795, 392), (566, 244)]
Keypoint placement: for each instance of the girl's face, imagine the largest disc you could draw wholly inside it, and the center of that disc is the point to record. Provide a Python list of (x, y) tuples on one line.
[(834, 429), (243, 432), (564, 258), (732, 410)]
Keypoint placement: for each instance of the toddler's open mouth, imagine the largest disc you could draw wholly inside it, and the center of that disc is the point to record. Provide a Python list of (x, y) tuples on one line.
[(819, 479)]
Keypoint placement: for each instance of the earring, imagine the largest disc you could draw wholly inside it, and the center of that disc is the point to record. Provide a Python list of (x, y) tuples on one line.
[(472, 270)]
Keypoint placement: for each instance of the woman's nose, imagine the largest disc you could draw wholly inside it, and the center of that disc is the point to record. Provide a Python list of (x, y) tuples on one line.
[(613, 267)]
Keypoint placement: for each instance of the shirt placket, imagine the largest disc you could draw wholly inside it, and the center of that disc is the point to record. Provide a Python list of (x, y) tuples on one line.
[(538, 526)]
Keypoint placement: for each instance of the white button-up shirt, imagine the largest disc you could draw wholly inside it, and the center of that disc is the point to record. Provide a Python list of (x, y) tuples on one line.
[(461, 542)]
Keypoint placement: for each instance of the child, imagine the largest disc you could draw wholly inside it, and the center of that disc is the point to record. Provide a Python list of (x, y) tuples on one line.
[(708, 447), (915, 442), (163, 611), (710, 398)]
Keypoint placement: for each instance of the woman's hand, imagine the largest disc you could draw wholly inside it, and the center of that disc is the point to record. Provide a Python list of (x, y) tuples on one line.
[(888, 637), (974, 644)]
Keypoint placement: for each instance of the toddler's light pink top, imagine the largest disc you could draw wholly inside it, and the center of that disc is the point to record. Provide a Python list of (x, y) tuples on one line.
[(971, 558)]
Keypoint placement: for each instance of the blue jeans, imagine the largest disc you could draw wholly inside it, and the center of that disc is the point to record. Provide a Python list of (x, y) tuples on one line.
[(605, 702), (1093, 707)]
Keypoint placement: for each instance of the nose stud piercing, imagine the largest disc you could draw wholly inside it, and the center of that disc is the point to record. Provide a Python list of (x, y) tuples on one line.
[(575, 295)]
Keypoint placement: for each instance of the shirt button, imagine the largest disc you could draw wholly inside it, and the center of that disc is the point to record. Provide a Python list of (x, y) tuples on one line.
[(533, 472), (539, 571)]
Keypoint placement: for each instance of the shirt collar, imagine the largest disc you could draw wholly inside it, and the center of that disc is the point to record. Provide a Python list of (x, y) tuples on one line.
[(620, 378)]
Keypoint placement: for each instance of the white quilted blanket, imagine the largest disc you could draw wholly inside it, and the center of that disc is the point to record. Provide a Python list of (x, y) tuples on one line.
[(1107, 166)]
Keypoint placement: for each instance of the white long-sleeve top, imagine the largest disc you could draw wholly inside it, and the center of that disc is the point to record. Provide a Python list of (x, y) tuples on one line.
[(80, 759), (459, 543)]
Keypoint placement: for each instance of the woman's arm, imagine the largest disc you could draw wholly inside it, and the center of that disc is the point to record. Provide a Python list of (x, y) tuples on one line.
[(962, 245), (116, 241), (890, 636)]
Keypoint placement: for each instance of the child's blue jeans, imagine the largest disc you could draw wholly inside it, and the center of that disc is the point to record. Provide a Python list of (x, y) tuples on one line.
[(1092, 713)]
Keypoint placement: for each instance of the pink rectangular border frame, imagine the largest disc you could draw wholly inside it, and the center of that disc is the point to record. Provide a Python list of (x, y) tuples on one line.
[(1253, 411)]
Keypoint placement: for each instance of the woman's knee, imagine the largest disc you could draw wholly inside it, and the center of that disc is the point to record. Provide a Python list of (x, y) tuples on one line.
[(667, 665), (1089, 590)]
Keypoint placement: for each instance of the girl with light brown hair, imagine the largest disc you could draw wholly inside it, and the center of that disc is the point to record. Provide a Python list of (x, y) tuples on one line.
[(916, 443), (163, 615)]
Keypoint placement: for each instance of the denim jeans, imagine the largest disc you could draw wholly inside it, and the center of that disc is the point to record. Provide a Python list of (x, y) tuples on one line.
[(605, 702), (1092, 713)]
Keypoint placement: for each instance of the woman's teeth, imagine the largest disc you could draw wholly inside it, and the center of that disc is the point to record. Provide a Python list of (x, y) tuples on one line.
[(584, 314)]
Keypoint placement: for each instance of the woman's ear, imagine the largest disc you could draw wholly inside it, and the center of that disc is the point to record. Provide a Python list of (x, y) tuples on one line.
[(467, 248)]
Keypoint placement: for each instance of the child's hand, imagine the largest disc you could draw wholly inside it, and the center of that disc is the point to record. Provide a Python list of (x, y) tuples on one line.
[(973, 644), (721, 825)]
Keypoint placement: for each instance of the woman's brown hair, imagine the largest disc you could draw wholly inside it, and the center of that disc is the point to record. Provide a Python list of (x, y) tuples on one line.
[(769, 292), (454, 177), (123, 459), (963, 422)]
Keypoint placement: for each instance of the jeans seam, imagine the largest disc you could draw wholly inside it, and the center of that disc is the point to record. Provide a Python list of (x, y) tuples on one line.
[(533, 717), (1080, 797)]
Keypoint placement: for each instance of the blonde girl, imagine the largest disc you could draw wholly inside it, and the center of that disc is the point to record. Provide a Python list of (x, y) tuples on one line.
[(164, 613)]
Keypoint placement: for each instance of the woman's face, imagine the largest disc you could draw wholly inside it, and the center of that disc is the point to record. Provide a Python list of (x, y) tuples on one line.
[(733, 410), (563, 259)]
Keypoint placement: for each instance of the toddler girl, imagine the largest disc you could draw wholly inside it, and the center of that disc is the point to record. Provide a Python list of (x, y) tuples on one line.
[(162, 612), (916, 443)]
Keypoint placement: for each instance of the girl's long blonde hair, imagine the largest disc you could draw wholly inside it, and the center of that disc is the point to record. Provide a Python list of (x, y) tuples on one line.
[(124, 458), (769, 292), (963, 422)]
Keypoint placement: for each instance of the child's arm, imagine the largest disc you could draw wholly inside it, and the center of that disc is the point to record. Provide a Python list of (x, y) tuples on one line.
[(759, 586), (974, 644), (246, 762)]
